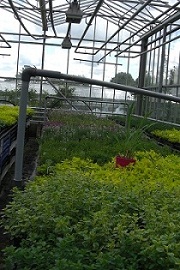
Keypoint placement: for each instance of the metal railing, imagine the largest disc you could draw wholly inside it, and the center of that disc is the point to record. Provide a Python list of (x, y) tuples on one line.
[(32, 72)]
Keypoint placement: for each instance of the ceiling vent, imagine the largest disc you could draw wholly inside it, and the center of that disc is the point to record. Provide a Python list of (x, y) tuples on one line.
[(74, 14)]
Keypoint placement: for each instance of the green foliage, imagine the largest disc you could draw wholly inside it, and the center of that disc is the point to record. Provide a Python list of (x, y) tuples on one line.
[(84, 213), (124, 78), (13, 96), (63, 91), (88, 137), (132, 138), (86, 216), (135, 122), (172, 135), (94, 142), (9, 115), (79, 119)]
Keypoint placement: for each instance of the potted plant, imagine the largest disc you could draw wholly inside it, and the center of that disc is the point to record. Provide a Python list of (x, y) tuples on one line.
[(130, 139)]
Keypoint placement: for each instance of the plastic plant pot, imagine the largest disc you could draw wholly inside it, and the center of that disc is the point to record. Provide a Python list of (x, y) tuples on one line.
[(122, 161)]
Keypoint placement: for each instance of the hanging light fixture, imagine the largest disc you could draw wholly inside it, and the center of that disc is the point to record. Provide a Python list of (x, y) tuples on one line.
[(74, 14), (66, 44)]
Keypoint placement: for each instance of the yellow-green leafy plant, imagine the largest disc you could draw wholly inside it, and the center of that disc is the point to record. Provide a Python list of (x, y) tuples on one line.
[(172, 135), (9, 115), (86, 216)]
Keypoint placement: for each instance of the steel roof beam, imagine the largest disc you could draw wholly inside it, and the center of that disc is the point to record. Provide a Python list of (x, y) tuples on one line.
[(158, 46), (89, 23), (92, 61), (131, 27), (133, 35), (159, 27), (18, 18), (154, 30), (6, 42), (161, 36), (58, 37), (123, 25), (31, 18), (43, 15), (51, 16)]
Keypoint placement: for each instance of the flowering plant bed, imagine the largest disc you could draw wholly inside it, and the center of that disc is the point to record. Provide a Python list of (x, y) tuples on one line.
[(87, 136)]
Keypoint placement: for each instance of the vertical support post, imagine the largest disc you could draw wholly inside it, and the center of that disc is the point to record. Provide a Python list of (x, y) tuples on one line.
[(92, 58), (42, 67), (17, 63), (161, 77), (178, 78), (128, 66), (142, 74), (104, 67), (67, 71), (18, 181), (161, 74)]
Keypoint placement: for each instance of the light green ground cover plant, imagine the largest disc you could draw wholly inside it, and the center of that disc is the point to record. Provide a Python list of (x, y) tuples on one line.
[(86, 216), (172, 135), (9, 115)]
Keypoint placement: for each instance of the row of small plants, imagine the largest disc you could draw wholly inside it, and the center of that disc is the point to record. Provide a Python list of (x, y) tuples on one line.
[(9, 115), (87, 136), (152, 124), (81, 212)]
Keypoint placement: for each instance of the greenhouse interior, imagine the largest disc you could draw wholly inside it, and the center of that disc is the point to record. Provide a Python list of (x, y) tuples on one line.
[(90, 134)]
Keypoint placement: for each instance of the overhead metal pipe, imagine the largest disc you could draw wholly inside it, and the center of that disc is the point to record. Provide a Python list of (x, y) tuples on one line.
[(152, 48)]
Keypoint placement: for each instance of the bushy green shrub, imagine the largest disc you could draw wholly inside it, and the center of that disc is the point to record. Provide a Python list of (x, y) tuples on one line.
[(86, 216), (172, 135), (9, 115)]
